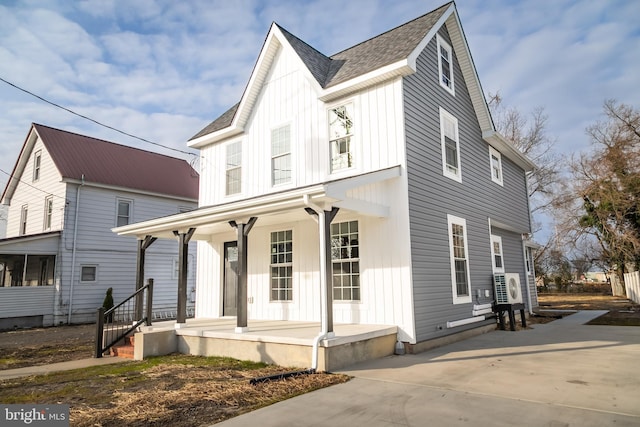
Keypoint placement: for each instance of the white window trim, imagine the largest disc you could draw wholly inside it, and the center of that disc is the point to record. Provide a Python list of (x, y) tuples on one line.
[(496, 239), (495, 153), (353, 151), (289, 153), (226, 169), (24, 217), (88, 281), (130, 202), (285, 264), (451, 219), (443, 43), (47, 201), (37, 165), (444, 114)]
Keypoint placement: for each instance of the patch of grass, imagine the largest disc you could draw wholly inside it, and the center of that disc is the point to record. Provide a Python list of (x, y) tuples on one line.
[(171, 390)]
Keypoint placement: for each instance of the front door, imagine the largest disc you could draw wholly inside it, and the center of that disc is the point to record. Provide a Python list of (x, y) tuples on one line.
[(229, 297)]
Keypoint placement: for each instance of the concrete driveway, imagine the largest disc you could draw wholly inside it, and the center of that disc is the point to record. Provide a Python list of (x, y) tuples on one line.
[(563, 373)]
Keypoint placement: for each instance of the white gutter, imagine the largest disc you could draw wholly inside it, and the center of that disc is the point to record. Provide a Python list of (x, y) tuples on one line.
[(324, 326), (73, 256)]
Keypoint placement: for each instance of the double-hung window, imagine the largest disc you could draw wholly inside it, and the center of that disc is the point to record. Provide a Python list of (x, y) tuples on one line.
[(497, 260), (281, 155), (233, 168), (341, 136), (345, 256), (450, 146), (445, 65), (460, 280), (123, 216), (495, 159), (23, 219), (37, 160), (48, 212), (281, 265)]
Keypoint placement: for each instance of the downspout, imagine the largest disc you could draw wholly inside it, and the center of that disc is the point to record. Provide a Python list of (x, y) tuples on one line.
[(73, 253), (324, 329), (526, 272)]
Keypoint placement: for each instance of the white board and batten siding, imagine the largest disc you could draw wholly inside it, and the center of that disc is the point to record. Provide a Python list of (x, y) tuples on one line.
[(289, 98)]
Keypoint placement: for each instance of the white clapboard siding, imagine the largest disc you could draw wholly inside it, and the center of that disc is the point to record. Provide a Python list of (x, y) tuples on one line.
[(22, 301), (48, 185)]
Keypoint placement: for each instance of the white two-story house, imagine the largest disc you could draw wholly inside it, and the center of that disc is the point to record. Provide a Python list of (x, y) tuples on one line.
[(65, 194), (366, 187)]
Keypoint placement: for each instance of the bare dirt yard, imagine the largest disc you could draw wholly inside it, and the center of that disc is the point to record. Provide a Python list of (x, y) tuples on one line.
[(180, 390), (622, 312)]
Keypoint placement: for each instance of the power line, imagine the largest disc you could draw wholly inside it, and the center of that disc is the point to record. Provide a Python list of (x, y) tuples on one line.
[(95, 121), (11, 177)]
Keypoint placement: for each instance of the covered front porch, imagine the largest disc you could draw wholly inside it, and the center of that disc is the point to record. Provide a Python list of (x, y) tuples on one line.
[(300, 330), (286, 343)]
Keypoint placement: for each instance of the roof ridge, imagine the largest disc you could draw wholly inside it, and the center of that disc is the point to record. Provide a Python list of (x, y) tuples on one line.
[(298, 38), (446, 5), (106, 141)]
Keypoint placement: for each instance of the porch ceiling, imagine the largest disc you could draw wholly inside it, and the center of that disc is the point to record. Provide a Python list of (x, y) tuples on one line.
[(269, 208)]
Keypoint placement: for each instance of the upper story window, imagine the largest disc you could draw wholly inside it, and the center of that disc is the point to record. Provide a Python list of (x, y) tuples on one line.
[(234, 168), (460, 280), (450, 146), (281, 155), (282, 266), (23, 219), (37, 160), (341, 136), (345, 256), (497, 260), (48, 212), (445, 65), (495, 159), (124, 212)]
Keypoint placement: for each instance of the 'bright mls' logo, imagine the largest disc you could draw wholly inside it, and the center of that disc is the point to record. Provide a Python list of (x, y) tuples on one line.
[(34, 415)]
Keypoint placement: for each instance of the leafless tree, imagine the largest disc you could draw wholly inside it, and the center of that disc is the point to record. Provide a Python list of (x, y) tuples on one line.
[(607, 187)]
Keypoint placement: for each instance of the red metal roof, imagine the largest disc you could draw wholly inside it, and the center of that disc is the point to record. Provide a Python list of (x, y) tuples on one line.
[(104, 162)]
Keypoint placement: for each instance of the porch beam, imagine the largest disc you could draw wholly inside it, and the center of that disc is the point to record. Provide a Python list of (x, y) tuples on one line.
[(143, 245), (242, 230), (183, 263)]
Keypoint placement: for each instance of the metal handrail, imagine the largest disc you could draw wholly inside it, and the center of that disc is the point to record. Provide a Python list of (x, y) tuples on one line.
[(119, 321)]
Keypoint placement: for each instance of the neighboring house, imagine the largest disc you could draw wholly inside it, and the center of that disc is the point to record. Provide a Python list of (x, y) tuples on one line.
[(66, 193), (374, 177)]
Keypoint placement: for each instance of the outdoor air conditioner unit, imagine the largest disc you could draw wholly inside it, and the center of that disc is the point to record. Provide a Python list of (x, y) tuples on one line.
[(507, 288)]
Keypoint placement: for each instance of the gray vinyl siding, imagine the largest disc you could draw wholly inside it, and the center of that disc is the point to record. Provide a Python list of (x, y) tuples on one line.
[(432, 196)]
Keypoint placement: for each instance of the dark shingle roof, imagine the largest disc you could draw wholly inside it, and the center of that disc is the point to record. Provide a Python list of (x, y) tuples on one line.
[(384, 49), (107, 163)]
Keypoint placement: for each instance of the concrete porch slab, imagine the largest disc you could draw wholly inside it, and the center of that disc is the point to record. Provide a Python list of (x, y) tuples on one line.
[(286, 343)]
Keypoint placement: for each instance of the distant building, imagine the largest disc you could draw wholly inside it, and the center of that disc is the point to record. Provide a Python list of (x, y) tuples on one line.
[(66, 193)]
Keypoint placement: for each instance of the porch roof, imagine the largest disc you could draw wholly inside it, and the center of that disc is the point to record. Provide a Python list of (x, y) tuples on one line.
[(41, 243), (213, 219)]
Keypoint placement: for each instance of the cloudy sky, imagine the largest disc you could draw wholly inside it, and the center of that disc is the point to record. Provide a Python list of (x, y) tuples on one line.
[(162, 70)]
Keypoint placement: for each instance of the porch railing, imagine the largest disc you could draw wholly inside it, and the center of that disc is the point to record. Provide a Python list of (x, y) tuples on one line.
[(116, 323)]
